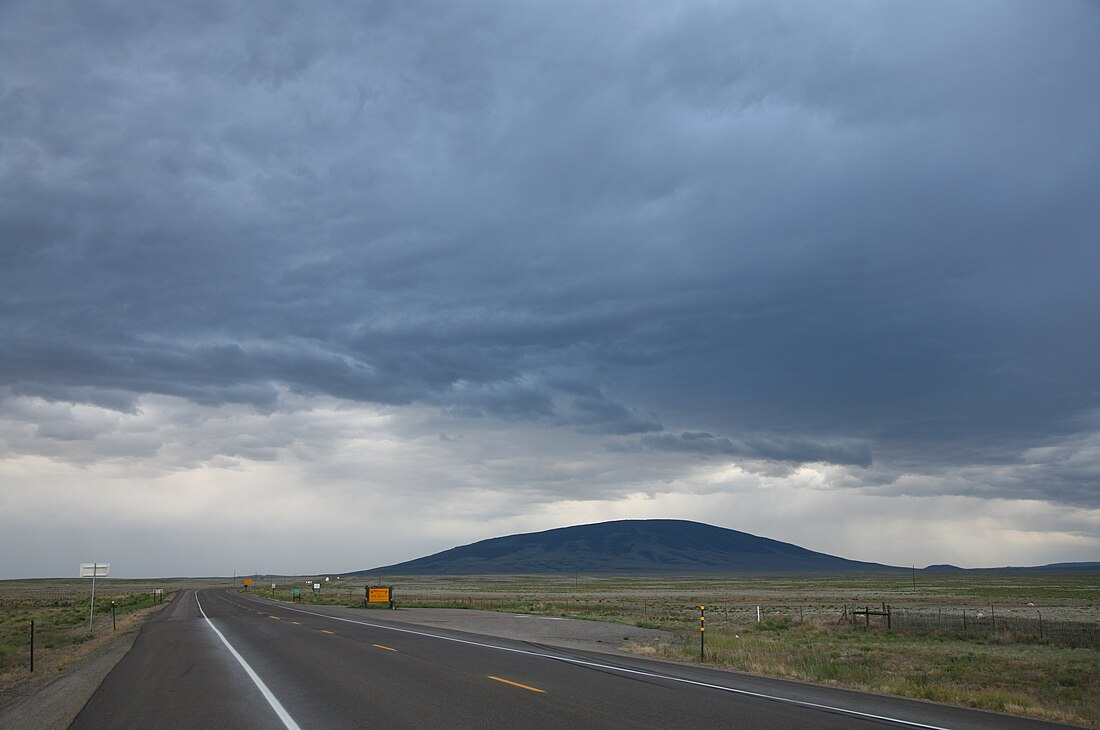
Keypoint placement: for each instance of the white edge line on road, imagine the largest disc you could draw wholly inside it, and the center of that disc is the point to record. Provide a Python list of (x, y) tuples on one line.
[(277, 706), (624, 670), (541, 618)]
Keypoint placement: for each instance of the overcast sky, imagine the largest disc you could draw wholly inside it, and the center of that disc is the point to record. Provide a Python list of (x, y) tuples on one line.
[(312, 288)]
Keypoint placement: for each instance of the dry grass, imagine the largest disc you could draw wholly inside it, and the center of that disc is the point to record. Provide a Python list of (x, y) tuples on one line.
[(1039, 681), (76, 645)]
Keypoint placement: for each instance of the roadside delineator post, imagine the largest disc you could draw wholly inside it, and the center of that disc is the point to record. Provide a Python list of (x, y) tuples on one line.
[(32, 644), (702, 633)]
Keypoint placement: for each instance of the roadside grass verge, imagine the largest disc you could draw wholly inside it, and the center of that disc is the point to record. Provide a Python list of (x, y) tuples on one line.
[(61, 632), (1044, 682), (346, 597)]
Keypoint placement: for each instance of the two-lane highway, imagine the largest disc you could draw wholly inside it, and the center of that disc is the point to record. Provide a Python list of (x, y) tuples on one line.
[(222, 658)]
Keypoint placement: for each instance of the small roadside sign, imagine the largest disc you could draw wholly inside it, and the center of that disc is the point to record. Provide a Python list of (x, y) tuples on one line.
[(94, 570), (248, 581), (378, 594)]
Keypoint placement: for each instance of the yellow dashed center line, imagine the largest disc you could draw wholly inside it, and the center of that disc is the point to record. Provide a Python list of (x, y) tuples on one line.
[(517, 684), (275, 617), (387, 648), (296, 623), (326, 631)]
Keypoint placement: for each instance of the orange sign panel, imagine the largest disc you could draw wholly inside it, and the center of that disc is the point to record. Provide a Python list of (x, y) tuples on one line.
[(248, 581), (378, 595)]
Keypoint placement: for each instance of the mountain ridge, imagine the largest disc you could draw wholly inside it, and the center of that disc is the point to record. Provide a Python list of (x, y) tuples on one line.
[(630, 546)]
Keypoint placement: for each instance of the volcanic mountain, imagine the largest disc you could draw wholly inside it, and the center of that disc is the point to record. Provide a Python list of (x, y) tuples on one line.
[(629, 546)]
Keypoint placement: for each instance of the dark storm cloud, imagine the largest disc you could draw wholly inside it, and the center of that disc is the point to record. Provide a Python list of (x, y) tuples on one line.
[(846, 233), (771, 448)]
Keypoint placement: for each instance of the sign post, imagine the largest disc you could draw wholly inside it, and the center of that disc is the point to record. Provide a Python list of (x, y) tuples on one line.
[(93, 571)]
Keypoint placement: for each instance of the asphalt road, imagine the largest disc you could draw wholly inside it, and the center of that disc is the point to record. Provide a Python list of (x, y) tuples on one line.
[(218, 658)]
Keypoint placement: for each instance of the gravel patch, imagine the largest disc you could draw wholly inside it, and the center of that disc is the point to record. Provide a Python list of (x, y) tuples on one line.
[(566, 633)]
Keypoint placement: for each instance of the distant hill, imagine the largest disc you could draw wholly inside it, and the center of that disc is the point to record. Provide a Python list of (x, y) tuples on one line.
[(1052, 568), (629, 546), (1070, 566)]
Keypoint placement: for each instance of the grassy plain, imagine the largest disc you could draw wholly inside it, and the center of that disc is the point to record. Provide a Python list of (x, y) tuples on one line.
[(997, 662)]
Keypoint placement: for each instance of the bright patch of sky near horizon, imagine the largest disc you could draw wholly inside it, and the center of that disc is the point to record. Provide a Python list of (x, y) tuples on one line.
[(298, 288)]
